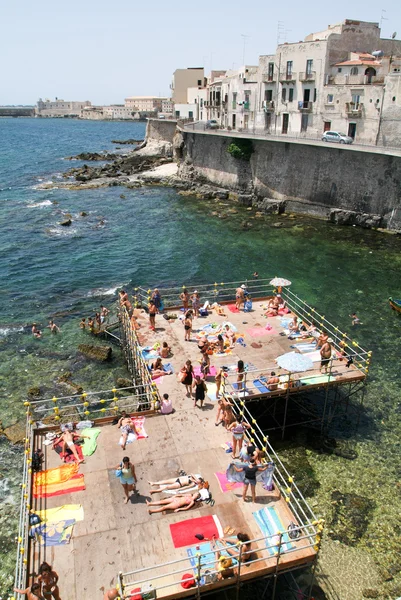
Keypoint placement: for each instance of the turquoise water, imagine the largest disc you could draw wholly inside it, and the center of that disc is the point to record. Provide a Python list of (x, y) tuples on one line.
[(155, 236)]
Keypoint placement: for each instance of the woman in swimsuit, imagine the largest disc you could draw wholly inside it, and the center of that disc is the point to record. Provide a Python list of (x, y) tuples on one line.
[(200, 389), (238, 429), (152, 315), (185, 481), (33, 593), (188, 371), (195, 303), (157, 370), (184, 297), (246, 554), (240, 375), (218, 379), (178, 503), (48, 578), (127, 477), (272, 307)]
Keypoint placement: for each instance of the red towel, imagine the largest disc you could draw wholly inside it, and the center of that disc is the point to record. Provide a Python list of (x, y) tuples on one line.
[(232, 308), (183, 533), (68, 455)]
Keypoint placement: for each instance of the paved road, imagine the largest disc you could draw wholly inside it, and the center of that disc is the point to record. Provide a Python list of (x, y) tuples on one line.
[(200, 128)]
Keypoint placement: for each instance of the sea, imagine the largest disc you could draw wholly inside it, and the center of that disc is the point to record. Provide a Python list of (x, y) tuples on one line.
[(153, 236)]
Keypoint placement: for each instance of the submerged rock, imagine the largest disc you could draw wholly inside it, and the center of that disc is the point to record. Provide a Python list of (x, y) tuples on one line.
[(102, 353), (34, 392), (15, 433), (351, 517), (66, 223)]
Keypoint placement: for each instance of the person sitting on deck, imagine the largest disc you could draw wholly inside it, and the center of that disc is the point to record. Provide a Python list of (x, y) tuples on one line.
[(272, 307), (183, 482), (273, 381), (229, 335), (156, 369), (294, 325), (224, 564), (33, 593), (178, 503), (164, 351), (233, 550), (126, 426), (112, 594)]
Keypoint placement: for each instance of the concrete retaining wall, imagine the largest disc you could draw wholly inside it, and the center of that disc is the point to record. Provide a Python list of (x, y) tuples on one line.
[(311, 179), (160, 130)]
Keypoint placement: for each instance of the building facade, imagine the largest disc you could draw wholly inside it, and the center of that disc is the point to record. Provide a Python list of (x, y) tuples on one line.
[(184, 79), (60, 108), (345, 78), (145, 103)]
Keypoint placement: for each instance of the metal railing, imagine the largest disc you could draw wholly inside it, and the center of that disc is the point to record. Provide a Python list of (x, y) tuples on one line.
[(24, 512), (205, 571), (307, 76)]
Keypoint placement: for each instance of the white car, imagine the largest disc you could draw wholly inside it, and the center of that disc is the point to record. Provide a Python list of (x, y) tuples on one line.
[(335, 136)]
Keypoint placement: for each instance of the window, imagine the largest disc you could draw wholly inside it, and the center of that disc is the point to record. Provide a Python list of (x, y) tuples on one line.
[(199, 81), (330, 98), (309, 65), (190, 114), (270, 73), (289, 68), (201, 115), (314, 95), (283, 94), (290, 94), (201, 102), (339, 70), (269, 95), (354, 71), (356, 98), (177, 113), (393, 99), (234, 99)]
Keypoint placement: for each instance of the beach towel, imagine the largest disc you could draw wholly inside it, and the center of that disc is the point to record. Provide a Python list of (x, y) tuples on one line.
[(283, 311), (90, 445), (64, 512), (158, 380), (139, 423), (208, 558), (225, 485), (270, 524), (261, 386), (53, 534), (212, 371), (250, 367), (56, 475), (304, 348), (232, 308), (314, 355), (211, 391), (168, 367), (150, 355), (317, 379), (265, 477), (68, 456), (183, 533), (75, 484), (259, 331)]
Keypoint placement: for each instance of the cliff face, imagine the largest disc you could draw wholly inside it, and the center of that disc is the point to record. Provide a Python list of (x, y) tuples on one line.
[(348, 186)]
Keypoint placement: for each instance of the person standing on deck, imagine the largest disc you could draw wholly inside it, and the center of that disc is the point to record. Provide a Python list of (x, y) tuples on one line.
[(127, 477), (184, 297), (195, 303), (325, 355), (250, 477), (239, 296), (238, 429), (186, 376), (157, 300), (200, 389), (152, 314), (48, 578)]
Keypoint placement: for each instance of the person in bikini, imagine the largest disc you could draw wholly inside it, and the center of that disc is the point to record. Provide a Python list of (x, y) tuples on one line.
[(183, 482), (178, 503), (239, 296), (273, 381), (187, 326), (184, 297), (48, 578), (272, 307), (33, 593)]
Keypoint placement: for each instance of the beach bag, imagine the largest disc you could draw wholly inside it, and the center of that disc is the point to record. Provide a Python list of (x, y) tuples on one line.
[(248, 306), (187, 581), (293, 531), (210, 577), (181, 376), (203, 312), (119, 471)]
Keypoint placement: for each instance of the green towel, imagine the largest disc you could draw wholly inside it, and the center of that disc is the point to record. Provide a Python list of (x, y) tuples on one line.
[(318, 379), (90, 444)]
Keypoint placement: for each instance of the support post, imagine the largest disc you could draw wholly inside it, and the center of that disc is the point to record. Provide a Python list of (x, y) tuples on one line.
[(286, 405), (327, 395), (277, 563), (198, 574), (239, 572)]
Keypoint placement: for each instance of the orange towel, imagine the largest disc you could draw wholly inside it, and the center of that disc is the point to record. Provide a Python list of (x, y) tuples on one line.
[(75, 484), (56, 475)]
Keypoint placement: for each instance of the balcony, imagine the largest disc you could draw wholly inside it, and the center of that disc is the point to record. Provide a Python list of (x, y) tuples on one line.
[(305, 106), (268, 105), (345, 79), (246, 105), (354, 109), (212, 103), (304, 76), (287, 76), (266, 78)]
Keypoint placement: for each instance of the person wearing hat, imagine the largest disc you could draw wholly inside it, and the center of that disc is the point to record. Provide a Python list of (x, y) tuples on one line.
[(239, 296), (224, 564), (325, 354)]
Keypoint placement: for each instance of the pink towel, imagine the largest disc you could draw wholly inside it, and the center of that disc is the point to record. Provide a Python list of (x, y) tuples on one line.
[(232, 308), (140, 427), (259, 331), (226, 486), (212, 371)]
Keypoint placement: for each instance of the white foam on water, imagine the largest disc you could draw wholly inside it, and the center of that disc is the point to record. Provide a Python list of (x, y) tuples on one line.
[(4, 331), (40, 204), (105, 291)]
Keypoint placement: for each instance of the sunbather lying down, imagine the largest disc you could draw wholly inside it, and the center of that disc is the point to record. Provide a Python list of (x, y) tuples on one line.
[(184, 482), (179, 502)]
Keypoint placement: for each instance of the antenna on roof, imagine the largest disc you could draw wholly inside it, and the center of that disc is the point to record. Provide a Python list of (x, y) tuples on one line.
[(394, 35), (383, 18)]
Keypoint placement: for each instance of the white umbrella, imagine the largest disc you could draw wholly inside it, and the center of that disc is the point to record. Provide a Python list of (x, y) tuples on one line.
[(280, 282), (294, 362)]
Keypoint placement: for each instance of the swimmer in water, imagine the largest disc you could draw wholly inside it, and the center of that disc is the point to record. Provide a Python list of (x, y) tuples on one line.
[(355, 319), (53, 327), (35, 331), (83, 323)]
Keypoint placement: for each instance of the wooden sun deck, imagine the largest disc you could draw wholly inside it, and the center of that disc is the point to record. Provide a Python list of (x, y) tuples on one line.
[(117, 537)]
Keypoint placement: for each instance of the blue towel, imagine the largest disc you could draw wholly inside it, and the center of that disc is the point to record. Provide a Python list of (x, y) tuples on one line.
[(258, 383), (168, 367), (265, 525), (208, 558)]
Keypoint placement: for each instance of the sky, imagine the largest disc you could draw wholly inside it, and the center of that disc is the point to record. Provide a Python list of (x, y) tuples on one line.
[(104, 51)]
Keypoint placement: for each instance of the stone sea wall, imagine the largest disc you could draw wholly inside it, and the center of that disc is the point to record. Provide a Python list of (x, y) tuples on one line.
[(346, 186)]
